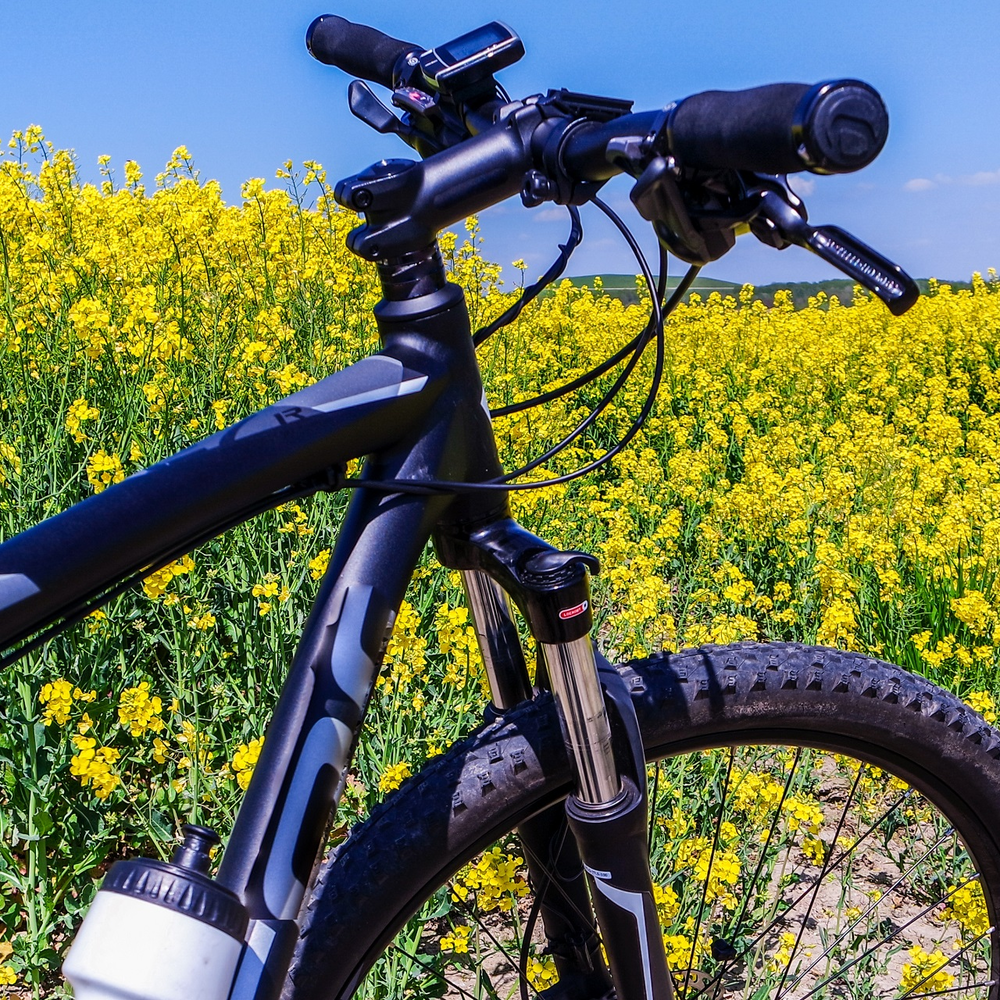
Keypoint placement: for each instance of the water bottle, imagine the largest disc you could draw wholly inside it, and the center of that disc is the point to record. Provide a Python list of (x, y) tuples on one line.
[(160, 930)]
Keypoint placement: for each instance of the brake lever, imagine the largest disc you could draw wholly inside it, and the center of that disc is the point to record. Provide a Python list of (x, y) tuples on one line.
[(779, 224), (365, 105)]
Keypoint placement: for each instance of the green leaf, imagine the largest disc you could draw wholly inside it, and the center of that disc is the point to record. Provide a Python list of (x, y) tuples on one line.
[(44, 823)]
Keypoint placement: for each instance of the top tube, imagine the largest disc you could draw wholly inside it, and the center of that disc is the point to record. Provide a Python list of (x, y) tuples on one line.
[(47, 571)]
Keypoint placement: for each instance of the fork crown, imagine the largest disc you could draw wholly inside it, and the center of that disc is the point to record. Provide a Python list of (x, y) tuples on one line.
[(550, 586)]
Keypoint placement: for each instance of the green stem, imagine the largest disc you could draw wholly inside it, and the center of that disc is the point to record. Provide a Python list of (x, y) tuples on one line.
[(35, 887)]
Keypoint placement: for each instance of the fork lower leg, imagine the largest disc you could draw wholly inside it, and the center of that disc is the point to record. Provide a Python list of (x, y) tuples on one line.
[(607, 816)]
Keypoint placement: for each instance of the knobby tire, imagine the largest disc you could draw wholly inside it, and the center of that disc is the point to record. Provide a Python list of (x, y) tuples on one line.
[(931, 750)]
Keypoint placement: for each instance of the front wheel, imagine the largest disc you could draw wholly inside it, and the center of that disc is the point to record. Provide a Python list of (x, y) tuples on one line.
[(821, 825)]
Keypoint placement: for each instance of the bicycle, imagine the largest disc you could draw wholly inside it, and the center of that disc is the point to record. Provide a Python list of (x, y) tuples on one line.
[(563, 758)]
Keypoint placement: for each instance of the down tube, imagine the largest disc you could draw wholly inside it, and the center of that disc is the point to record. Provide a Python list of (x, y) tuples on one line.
[(282, 823)]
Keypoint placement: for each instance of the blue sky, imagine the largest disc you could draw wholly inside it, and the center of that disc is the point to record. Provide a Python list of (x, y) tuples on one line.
[(233, 82)]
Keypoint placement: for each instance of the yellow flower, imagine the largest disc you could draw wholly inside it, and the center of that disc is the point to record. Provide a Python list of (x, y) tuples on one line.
[(266, 589), (96, 620), (103, 470), (683, 950), (137, 711), (132, 173), (967, 905), (983, 703), (219, 408), (92, 765), (318, 565), (814, 849), (79, 411), (202, 622), (393, 775), (494, 879), (542, 972), (156, 583), (160, 750), (57, 697), (781, 958), (974, 610), (10, 461), (926, 971), (245, 760), (457, 941), (667, 903)]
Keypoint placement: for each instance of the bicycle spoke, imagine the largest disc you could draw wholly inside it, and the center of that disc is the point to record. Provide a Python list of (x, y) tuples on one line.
[(772, 828), (895, 933), (553, 882), (711, 859), (770, 836), (871, 909), (846, 853), (652, 807), (819, 880), (510, 959)]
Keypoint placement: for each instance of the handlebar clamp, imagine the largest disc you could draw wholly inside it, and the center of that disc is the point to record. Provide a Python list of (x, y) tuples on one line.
[(568, 111)]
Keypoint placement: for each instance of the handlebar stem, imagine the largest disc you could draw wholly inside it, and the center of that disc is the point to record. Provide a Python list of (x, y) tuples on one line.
[(406, 203)]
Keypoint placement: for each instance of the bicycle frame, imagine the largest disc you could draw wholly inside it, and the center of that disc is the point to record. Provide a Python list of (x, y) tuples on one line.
[(417, 410)]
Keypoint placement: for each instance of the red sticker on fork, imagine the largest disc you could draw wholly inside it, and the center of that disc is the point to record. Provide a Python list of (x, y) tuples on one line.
[(573, 612)]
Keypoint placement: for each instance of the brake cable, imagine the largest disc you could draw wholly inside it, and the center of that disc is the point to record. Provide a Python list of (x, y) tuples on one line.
[(653, 327), (528, 294), (641, 343)]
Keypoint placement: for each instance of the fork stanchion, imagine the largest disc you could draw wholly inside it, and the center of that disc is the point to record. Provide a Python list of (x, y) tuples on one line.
[(607, 814), (499, 643)]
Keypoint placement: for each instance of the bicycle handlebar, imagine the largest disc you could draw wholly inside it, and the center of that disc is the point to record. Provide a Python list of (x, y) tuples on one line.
[(831, 128), (356, 48), (704, 165), (834, 127)]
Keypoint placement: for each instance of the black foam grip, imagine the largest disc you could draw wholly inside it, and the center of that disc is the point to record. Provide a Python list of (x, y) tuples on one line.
[(355, 48), (827, 128)]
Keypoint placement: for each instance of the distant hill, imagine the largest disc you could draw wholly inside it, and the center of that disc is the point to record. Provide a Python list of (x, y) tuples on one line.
[(622, 286)]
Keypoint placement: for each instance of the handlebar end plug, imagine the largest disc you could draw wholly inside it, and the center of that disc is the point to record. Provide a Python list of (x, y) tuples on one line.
[(311, 31), (840, 126)]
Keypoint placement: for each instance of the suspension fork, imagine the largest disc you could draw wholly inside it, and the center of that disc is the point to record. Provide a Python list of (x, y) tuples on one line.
[(554, 865), (606, 815)]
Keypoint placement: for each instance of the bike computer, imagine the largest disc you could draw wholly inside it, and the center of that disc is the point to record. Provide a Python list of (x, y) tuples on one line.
[(471, 57)]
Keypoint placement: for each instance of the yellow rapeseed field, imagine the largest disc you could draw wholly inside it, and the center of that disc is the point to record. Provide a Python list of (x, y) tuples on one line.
[(827, 474)]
